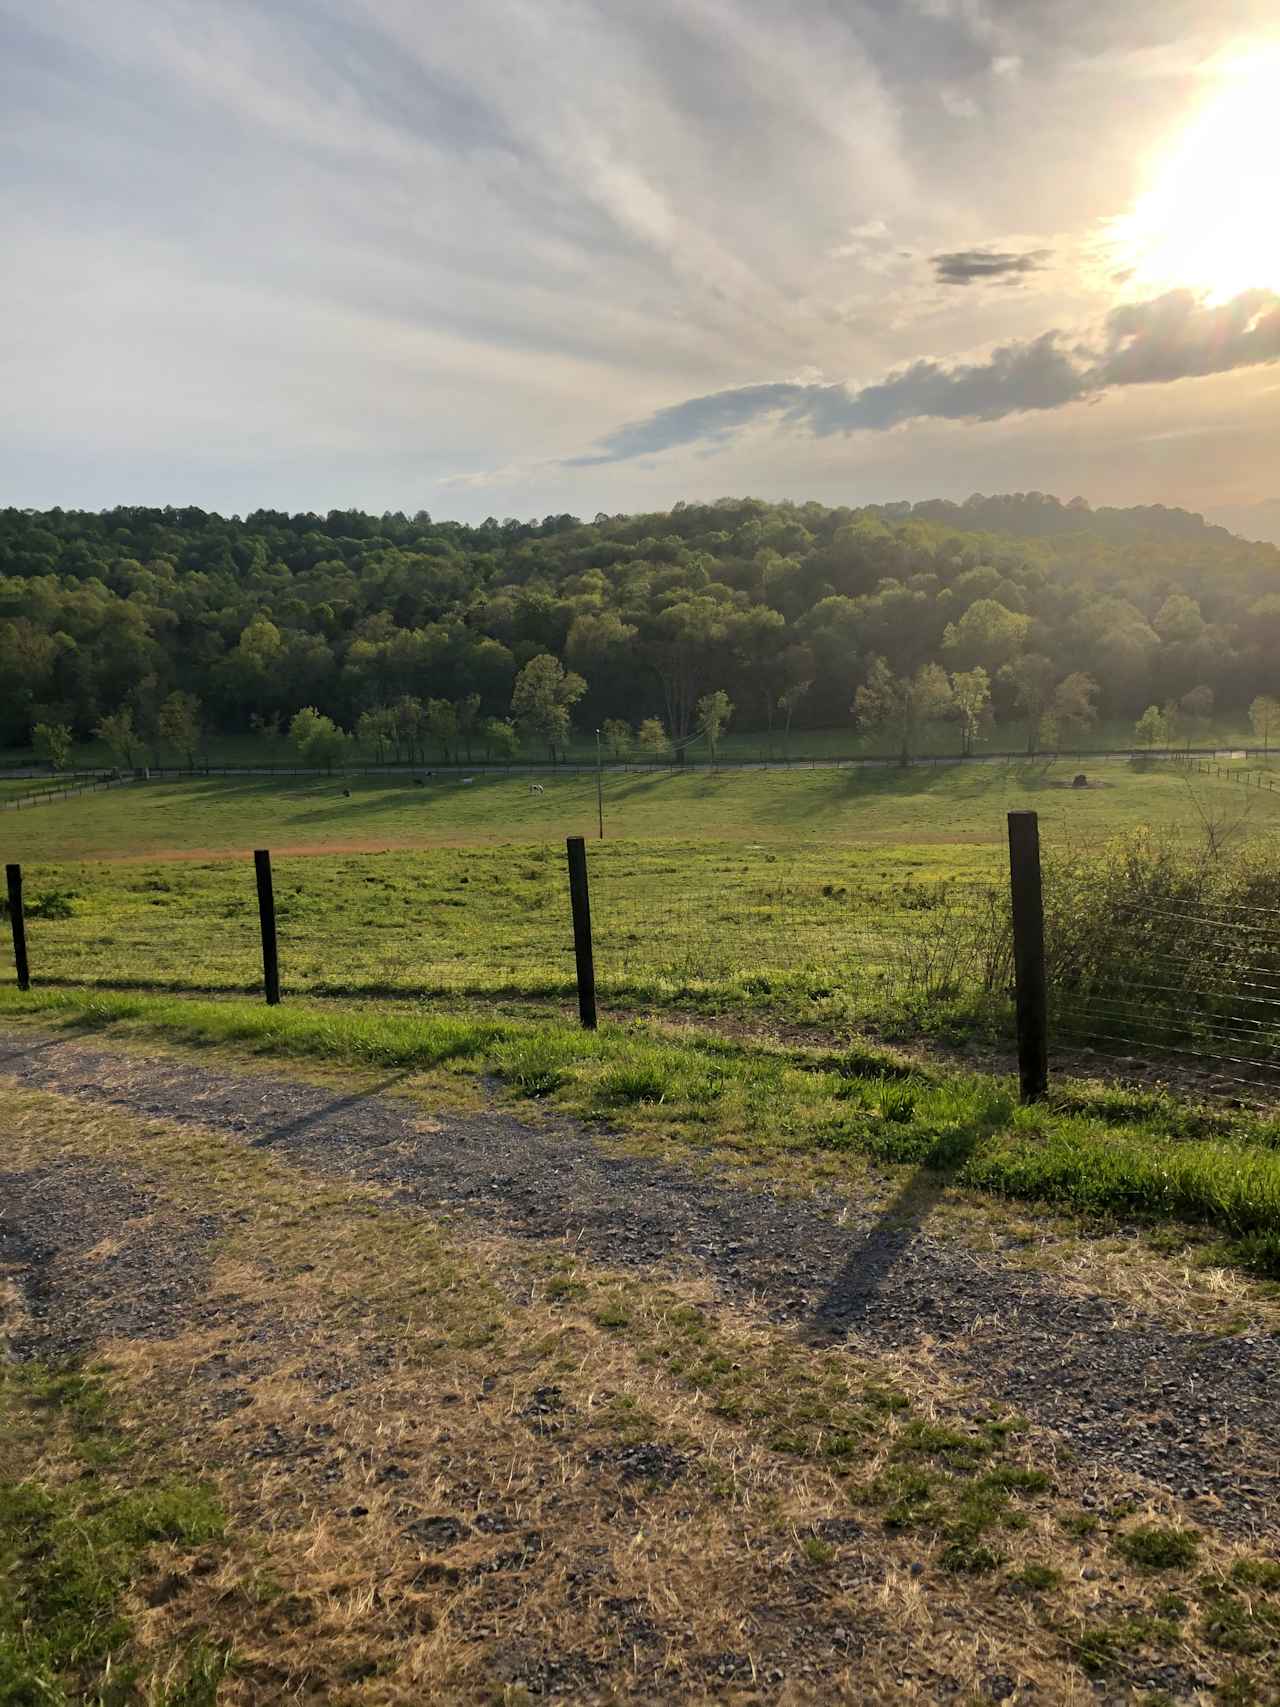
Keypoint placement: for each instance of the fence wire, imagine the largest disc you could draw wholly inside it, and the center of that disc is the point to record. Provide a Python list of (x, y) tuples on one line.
[(1181, 982)]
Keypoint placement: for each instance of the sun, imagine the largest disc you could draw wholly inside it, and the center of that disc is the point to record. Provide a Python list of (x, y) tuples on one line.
[(1209, 218)]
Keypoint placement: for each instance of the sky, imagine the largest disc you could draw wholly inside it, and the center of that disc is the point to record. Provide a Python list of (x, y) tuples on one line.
[(520, 257)]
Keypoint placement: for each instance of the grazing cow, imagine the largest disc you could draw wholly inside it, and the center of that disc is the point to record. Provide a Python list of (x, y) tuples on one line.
[(346, 794), (536, 788)]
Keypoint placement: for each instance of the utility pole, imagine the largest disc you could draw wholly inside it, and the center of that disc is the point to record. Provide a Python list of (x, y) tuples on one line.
[(599, 785)]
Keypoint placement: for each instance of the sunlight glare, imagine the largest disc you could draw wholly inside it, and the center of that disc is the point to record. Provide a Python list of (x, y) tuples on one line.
[(1208, 218)]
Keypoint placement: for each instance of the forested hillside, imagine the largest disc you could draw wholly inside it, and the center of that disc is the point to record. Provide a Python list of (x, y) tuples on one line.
[(894, 615)]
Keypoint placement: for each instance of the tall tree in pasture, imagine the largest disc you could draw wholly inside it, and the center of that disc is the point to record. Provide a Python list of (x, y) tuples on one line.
[(714, 711), (179, 724), (788, 700), (1195, 711), (971, 692), (1264, 719), (442, 726), (501, 739), (118, 735), (376, 731), (685, 641), (410, 717), (1073, 706), (902, 707), (619, 738), (651, 737), (1029, 681), (1152, 728), (468, 717), (317, 739), (540, 703), (52, 743)]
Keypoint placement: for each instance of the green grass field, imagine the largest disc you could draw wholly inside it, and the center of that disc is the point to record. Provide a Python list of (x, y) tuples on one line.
[(830, 897), (943, 806)]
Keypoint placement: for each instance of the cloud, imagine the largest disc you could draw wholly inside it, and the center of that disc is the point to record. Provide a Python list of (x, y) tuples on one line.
[(1175, 336), (963, 266)]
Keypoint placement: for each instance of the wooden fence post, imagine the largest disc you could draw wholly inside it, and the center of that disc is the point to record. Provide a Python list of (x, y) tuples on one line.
[(580, 903), (267, 918), (1028, 955), (13, 882)]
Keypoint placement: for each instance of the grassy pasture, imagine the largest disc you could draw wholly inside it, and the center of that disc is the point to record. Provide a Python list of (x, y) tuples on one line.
[(810, 894), (814, 932), (953, 807)]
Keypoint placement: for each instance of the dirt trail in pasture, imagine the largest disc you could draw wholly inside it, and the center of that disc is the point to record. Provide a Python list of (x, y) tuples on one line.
[(1193, 1414), (483, 838)]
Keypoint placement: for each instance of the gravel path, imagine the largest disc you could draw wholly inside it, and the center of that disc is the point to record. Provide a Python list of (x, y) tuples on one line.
[(1198, 1414)]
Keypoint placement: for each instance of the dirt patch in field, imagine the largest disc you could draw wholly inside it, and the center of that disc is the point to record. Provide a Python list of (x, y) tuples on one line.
[(293, 850)]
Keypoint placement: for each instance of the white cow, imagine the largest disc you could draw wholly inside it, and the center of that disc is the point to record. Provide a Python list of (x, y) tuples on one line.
[(536, 788)]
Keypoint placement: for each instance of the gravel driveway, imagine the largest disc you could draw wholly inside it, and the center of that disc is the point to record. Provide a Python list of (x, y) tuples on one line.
[(1198, 1414)]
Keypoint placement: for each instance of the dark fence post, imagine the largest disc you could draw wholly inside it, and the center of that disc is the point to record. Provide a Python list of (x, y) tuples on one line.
[(580, 902), (267, 917), (1028, 955), (13, 881)]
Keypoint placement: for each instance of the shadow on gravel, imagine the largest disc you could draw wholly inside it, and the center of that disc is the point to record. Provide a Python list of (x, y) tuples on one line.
[(27, 1049), (856, 1290), (318, 1116)]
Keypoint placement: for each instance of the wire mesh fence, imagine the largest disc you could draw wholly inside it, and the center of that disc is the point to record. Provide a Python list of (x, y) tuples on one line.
[(1196, 986)]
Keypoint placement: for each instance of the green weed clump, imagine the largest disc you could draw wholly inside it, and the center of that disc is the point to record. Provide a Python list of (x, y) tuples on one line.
[(1153, 1547), (71, 1548)]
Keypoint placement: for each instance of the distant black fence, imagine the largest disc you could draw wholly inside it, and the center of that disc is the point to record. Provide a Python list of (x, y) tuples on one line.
[(1207, 760), (63, 791)]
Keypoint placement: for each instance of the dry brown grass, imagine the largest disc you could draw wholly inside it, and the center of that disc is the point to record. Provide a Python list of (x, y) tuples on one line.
[(464, 1468)]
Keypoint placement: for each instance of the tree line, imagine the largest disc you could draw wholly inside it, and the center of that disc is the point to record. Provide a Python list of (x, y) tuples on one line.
[(157, 628)]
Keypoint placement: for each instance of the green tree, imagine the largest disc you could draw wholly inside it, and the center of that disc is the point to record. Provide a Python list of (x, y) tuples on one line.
[(1152, 728), (1073, 706), (618, 738), (903, 706), (376, 732), (410, 717), (442, 726), (788, 700), (118, 735), (178, 722), (987, 635), (971, 692), (541, 700), (1029, 681), (468, 720), (317, 739), (52, 743), (501, 739), (651, 737), (1196, 710), (714, 711), (1264, 719)]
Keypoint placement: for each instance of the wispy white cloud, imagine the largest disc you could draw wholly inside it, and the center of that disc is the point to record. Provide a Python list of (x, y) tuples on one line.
[(463, 238)]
